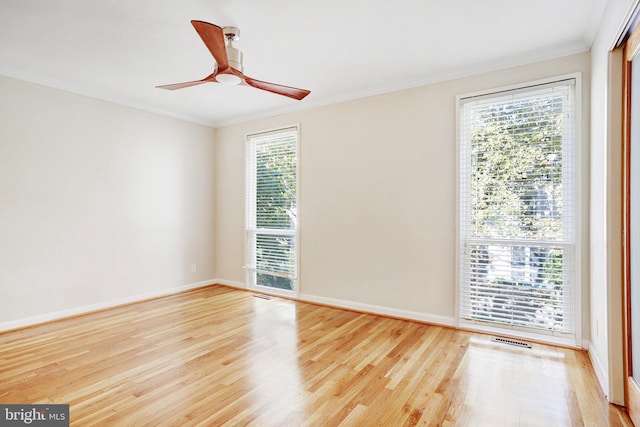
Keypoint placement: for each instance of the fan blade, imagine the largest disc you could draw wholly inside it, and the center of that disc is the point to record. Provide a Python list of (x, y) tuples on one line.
[(289, 91), (213, 38), (181, 85), (209, 78)]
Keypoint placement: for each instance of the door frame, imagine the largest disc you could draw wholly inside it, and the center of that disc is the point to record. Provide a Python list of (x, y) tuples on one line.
[(632, 388)]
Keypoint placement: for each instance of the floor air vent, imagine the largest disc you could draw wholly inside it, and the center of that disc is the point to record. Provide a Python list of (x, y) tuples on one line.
[(511, 342), (262, 296)]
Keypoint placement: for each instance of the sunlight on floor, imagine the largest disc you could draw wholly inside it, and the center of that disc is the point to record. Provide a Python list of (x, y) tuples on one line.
[(276, 374), (490, 372)]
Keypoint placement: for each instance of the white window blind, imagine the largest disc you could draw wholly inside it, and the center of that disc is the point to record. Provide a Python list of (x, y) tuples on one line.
[(271, 209), (516, 197)]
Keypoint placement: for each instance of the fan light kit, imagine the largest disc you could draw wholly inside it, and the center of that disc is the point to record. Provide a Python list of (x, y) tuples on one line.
[(228, 79), (229, 69)]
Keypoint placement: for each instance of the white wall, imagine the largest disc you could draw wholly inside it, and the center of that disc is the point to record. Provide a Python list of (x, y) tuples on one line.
[(605, 230), (98, 203), (377, 194)]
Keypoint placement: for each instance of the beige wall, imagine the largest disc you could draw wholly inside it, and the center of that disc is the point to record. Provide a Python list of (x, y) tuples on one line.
[(98, 203), (377, 195)]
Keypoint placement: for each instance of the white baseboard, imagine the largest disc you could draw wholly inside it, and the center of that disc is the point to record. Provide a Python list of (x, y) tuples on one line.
[(378, 309), (57, 315), (230, 283), (601, 373), (358, 306)]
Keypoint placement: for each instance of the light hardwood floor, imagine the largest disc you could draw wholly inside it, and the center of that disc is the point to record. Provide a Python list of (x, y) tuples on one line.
[(217, 356)]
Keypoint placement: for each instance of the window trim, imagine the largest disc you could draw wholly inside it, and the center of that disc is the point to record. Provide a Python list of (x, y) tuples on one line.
[(578, 208), (249, 283)]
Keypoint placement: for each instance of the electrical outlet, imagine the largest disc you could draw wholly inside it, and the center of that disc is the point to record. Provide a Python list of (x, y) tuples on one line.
[(193, 268)]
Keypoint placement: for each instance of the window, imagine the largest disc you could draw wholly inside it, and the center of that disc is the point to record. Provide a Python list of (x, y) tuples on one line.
[(271, 209), (517, 226)]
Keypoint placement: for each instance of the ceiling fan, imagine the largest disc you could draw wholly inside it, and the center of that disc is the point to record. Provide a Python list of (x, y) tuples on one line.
[(229, 63)]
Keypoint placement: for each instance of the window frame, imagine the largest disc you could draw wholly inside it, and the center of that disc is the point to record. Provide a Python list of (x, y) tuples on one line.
[(249, 271), (574, 339)]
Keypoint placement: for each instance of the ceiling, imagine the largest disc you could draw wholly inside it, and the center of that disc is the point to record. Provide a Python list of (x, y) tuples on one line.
[(119, 50)]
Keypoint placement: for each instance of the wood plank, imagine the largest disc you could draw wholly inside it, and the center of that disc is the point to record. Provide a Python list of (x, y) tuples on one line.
[(218, 355)]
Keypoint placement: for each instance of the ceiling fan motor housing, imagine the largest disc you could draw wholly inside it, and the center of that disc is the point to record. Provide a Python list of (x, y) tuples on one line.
[(234, 56)]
